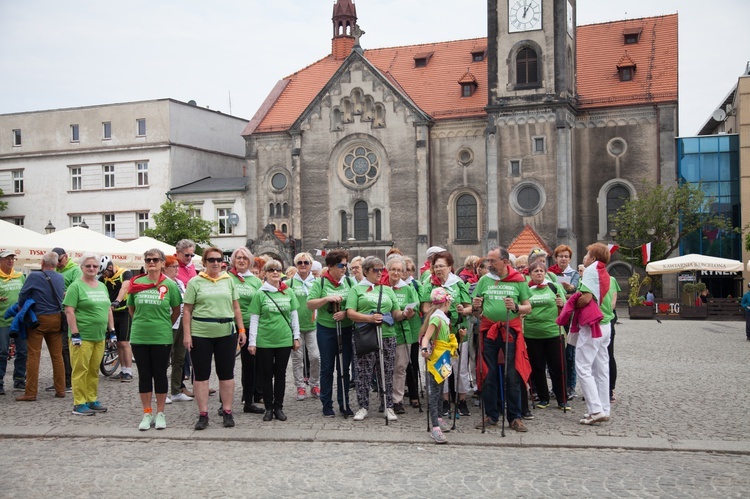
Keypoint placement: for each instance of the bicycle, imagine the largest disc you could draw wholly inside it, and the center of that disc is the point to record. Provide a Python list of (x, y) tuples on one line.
[(111, 359)]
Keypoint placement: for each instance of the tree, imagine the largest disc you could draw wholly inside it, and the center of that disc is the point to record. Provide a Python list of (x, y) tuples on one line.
[(672, 212), (174, 222), (3, 204)]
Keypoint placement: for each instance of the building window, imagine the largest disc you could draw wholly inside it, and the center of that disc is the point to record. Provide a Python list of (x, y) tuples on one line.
[(626, 73), (478, 55), (107, 130), (344, 226), (539, 145), (18, 182), (361, 221), (140, 127), (360, 167), (109, 225), (75, 220), (617, 196), (421, 59), (285, 209), (142, 169), (467, 89), (466, 218), (75, 133), (527, 67), (378, 225), (194, 212), (222, 216), (514, 168), (75, 179), (142, 223), (283, 228), (109, 176), (18, 221), (270, 210), (16, 138), (527, 198), (278, 181)]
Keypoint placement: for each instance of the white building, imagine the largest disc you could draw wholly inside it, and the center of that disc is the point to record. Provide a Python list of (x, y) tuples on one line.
[(112, 165)]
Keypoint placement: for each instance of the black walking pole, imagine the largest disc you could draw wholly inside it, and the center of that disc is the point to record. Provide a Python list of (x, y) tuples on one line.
[(382, 372), (564, 376), (480, 354), (427, 382), (416, 373), (505, 377), (455, 385), (340, 380)]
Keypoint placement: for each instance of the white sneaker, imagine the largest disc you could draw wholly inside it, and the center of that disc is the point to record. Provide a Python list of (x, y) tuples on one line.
[(160, 422), (361, 414), (146, 422), (181, 397), (169, 400), (390, 414)]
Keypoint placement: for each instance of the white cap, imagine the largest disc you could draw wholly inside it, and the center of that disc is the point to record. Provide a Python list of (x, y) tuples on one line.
[(512, 259), (316, 266), (433, 250)]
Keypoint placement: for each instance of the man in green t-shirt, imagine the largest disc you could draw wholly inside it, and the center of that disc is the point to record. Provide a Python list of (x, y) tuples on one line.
[(11, 282)]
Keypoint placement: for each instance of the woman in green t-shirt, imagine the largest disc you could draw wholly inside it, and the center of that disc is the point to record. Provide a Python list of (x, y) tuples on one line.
[(273, 334), (211, 318), (544, 339), (362, 306), (154, 304), (87, 309)]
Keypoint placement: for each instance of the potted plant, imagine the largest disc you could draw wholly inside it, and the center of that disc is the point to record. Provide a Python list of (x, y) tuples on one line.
[(689, 310), (636, 306)]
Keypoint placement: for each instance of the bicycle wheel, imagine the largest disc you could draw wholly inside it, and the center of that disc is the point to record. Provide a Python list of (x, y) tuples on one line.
[(110, 361)]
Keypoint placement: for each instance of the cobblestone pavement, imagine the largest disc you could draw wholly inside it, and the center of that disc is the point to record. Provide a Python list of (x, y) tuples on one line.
[(72, 467), (682, 385)]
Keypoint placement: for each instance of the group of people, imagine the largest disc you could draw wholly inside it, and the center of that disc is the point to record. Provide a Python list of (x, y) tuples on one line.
[(499, 325)]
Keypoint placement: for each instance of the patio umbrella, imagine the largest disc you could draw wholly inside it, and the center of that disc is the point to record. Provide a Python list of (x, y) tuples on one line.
[(694, 262)]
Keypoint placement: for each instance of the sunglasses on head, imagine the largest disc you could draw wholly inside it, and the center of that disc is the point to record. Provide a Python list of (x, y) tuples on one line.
[(303, 262), (152, 260), (214, 260)]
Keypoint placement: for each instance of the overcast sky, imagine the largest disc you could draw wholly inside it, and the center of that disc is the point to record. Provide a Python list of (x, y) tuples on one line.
[(67, 53)]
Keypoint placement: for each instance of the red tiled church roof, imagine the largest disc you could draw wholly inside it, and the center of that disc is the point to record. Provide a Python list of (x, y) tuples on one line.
[(601, 48), (526, 241), (435, 88)]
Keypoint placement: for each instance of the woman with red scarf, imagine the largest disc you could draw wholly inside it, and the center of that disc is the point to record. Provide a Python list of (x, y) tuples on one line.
[(154, 304), (442, 276)]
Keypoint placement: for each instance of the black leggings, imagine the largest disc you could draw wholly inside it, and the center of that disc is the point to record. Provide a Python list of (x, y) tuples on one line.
[(152, 362), (543, 354), (412, 371), (272, 363), (223, 350)]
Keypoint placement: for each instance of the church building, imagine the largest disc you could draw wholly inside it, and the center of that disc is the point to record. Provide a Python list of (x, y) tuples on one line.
[(464, 143)]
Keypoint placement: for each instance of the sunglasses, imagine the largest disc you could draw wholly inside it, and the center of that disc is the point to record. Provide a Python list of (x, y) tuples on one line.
[(273, 270), (189, 255), (152, 260), (340, 265), (94, 266), (377, 270), (303, 262), (214, 260)]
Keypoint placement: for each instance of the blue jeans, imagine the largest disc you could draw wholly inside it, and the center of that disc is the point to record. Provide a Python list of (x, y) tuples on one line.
[(491, 388), (329, 358), (570, 367), (19, 364)]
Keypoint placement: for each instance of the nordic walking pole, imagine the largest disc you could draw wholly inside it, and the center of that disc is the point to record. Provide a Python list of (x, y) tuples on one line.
[(427, 382), (479, 375), (505, 378), (455, 385), (340, 380), (564, 377), (382, 371), (417, 373)]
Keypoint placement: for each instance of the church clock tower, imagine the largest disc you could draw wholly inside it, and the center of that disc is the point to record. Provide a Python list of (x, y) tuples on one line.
[(531, 112)]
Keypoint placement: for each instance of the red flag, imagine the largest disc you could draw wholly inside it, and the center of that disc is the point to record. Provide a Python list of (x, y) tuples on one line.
[(612, 248), (646, 252)]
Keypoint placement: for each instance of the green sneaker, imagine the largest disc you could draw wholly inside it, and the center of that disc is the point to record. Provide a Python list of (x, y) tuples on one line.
[(146, 421), (97, 406), (160, 422)]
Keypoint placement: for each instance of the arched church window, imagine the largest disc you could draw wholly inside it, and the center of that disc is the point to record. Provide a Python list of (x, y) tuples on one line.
[(466, 218), (361, 221), (360, 167), (344, 226), (378, 225), (617, 196), (527, 69)]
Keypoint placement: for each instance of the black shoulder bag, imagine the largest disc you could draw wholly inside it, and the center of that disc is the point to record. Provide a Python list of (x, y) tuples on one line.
[(288, 323), (366, 333)]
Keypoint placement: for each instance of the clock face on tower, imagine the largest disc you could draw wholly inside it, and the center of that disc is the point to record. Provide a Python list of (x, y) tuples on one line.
[(524, 15)]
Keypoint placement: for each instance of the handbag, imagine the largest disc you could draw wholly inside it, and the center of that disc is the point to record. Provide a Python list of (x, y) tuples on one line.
[(366, 333)]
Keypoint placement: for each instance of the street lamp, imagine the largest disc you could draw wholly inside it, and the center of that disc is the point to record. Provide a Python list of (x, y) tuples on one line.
[(49, 229), (84, 225)]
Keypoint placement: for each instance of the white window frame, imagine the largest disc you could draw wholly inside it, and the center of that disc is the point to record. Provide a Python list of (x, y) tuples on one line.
[(76, 220), (18, 221), (76, 179), (140, 127), (17, 137), (17, 177), (75, 133), (222, 217), (141, 170), (110, 225), (106, 134), (142, 217), (108, 174)]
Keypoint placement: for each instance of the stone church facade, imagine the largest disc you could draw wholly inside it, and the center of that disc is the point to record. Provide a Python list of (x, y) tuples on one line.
[(464, 143)]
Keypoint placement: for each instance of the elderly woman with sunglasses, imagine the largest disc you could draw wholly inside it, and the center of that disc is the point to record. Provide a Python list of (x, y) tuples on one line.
[(211, 319), (247, 285), (87, 308), (301, 283), (154, 304), (273, 334), (371, 302)]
